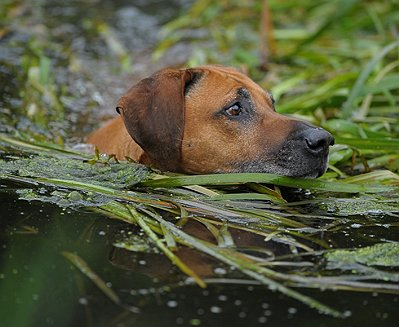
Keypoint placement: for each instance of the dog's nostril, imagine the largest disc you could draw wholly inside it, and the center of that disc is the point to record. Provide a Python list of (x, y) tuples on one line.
[(316, 144), (318, 139)]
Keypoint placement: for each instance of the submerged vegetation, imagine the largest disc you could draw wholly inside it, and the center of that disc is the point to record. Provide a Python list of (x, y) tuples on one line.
[(135, 195), (333, 63)]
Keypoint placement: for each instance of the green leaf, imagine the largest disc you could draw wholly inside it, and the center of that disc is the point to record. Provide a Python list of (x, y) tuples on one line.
[(242, 178), (370, 143), (388, 83), (348, 108)]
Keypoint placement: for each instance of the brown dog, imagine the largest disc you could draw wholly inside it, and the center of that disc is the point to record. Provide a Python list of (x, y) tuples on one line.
[(211, 119)]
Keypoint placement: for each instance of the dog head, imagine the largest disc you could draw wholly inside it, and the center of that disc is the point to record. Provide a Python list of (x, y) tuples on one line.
[(214, 119)]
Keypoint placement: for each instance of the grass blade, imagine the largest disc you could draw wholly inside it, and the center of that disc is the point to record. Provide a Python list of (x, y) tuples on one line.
[(348, 108), (370, 143), (242, 178), (237, 260), (182, 266), (84, 268)]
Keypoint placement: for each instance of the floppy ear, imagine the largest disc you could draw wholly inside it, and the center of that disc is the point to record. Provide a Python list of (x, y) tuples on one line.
[(153, 113)]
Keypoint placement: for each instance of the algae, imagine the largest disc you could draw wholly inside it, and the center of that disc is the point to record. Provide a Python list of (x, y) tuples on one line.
[(136, 243), (65, 199), (100, 185), (386, 205), (381, 254), (367, 262), (109, 174)]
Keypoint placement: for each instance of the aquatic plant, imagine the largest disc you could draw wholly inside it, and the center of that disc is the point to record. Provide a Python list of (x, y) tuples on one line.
[(334, 63), (135, 195)]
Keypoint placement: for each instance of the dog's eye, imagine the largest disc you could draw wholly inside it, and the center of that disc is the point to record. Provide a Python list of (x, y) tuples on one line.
[(234, 110)]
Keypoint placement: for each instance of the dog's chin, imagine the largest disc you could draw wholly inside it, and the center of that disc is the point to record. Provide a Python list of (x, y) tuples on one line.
[(315, 173), (304, 169)]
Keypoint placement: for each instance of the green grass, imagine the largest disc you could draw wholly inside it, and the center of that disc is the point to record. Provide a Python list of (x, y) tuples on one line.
[(217, 209), (333, 63)]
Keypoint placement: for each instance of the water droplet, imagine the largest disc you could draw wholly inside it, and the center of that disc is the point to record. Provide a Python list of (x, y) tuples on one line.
[(215, 309), (172, 304), (347, 313), (35, 297), (142, 262), (222, 297), (262, 320), (101, 233), (83, 301), (292, 310), (220, 271)]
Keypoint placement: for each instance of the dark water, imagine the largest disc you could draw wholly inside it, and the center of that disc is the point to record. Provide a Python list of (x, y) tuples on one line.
[(97, 50), (38, 285)]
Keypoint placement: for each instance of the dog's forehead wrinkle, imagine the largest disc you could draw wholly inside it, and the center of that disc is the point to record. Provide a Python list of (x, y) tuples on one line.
[(231, 93)]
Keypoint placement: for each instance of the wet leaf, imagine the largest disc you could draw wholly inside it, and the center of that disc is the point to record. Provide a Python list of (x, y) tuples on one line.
[(241, 178)]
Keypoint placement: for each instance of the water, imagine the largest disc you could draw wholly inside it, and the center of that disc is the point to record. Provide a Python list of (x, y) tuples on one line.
[(38, 281), (39, 286)]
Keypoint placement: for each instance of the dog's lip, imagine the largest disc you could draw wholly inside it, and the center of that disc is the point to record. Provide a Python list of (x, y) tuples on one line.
[(308, 165), (303, 169)]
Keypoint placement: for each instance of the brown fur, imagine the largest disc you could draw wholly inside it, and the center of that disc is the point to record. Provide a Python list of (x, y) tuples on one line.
[(175, 120)]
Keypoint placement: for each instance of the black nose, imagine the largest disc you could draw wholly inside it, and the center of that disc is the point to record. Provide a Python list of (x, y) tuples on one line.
[(318, 140)]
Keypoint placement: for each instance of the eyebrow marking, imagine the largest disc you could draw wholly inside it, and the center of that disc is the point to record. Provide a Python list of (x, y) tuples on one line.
[(244, 93)]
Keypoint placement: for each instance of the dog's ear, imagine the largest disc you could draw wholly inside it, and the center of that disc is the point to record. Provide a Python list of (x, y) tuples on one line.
[(153, 113)]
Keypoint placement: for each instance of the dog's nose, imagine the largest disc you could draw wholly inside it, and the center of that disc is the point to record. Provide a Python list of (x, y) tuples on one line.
[(318, 140)]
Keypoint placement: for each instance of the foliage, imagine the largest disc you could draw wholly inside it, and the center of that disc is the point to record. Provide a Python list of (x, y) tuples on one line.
[(383, 254), (334, 63), (102, 186)]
